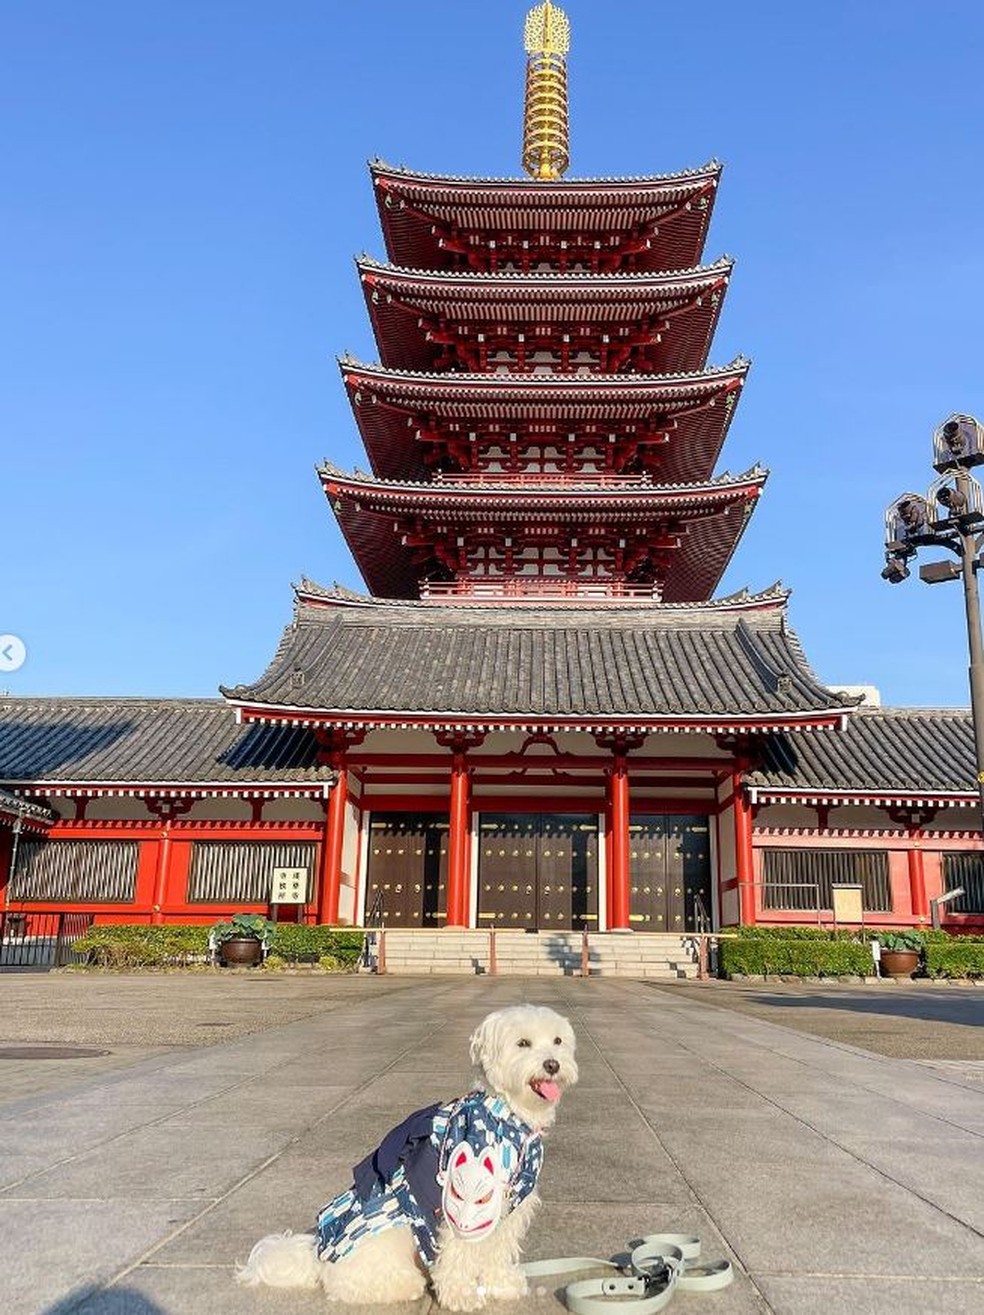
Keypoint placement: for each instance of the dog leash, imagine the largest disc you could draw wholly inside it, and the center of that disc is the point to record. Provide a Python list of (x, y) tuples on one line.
[(661, 1264)]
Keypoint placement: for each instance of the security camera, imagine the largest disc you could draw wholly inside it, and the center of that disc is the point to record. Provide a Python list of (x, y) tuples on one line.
[(895, 570)]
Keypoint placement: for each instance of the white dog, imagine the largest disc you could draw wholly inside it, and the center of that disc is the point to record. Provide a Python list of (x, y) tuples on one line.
[(448, 1194)]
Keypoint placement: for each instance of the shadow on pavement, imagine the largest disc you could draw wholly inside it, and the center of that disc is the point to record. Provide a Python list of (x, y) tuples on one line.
[(935, 1008), (108, 1301)]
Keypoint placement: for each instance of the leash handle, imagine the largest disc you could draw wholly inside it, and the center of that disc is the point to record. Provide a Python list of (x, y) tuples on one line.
[(658, 1265)]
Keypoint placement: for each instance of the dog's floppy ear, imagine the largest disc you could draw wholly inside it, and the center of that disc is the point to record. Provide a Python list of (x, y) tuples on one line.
[(481, 1039)]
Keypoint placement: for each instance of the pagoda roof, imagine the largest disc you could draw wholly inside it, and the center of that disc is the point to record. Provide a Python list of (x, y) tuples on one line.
[(907, 755), (670, 212), (398, 299), (365, 508), (691, 403), (699, 668), (310, 593), (150, 746)]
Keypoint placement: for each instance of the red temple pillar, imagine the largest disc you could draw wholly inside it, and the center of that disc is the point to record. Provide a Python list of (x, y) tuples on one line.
[(334, 744), (331, 846), (618, 867), (744, 863), (167, 810), (914, 819), (459, 824), (460, 812), (617, 827), (917, 877)]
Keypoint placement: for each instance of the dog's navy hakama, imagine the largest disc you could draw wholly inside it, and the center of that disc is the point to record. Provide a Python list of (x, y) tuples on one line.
[(398, 1183)]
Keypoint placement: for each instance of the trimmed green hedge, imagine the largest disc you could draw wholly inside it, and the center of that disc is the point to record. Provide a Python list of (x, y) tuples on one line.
[(300, 944), (813, 952), (129, 946), (813, 955), (143, 947), (959, 956), (791, 933)]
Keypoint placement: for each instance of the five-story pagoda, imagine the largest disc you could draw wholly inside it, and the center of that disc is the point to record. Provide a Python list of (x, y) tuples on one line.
[(541, 535)]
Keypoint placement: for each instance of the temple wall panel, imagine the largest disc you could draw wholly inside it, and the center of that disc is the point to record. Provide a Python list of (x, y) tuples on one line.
[(111, 808), (855, 817), (955, 819), (293, 810), (898, 882), (221, 810), (785, 815), (63, 807)]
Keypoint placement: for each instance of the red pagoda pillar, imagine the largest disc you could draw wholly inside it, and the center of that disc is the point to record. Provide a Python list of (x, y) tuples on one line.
[(744, 865)]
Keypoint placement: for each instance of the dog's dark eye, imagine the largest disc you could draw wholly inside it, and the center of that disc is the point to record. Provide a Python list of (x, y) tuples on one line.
[(557, 1041), (522, 1042)]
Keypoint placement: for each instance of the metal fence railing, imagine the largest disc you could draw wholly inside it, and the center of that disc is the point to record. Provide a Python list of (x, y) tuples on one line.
[(40, 940)]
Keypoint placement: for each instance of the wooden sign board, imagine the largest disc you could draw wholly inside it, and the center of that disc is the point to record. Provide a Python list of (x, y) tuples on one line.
[(848, 904), (289, 886)]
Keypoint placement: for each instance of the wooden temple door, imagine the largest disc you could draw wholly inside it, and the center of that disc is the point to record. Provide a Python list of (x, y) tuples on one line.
[(407, 872), (538, 871), (567, 870), (669, 866), (507, 844)]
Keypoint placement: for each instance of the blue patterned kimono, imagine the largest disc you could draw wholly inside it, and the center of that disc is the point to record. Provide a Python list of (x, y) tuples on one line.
[(398, 1182)]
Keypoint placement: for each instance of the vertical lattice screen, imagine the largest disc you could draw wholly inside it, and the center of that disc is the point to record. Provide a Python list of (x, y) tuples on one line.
[(224, 871), (77, 870), (966, 870), (801, 879)]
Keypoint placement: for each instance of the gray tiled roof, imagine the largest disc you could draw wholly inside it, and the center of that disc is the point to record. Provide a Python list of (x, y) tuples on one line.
[(880, 749), (623, 663), (147, 741)]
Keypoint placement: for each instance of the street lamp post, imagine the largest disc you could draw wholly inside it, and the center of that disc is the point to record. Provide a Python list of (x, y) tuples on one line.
[(912, 522)]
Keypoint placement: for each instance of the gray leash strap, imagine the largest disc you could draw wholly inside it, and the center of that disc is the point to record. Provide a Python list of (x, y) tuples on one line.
[(661, 1264)]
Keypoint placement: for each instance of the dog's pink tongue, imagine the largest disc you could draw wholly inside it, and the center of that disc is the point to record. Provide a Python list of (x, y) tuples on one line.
[(548, 1090)]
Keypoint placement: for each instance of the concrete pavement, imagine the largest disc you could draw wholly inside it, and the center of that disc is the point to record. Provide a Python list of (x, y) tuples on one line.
[(837, 1180)]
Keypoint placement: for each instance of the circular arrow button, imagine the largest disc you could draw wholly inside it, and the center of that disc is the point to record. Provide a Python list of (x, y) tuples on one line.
[(13, 652)]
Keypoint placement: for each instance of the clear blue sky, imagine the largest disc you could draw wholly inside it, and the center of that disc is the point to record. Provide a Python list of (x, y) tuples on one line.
[(185, 187)]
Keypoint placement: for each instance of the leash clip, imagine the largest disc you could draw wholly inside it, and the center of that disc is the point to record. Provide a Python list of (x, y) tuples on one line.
[(656, 1278)]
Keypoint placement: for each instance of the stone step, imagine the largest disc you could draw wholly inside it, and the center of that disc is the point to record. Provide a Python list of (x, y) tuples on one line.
[(422, 952)]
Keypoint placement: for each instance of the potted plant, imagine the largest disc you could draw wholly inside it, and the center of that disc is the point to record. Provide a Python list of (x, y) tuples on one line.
[(243, 939), (900, 951)]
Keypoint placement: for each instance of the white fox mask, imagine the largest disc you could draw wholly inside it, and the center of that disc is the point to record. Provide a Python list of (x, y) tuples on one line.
[(473, 1190)]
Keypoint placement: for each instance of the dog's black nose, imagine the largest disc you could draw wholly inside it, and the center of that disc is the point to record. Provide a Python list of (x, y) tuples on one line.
[(551, 1066)]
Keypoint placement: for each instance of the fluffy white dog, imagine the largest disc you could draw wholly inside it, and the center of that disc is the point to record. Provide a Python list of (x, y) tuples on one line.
[(450, 1193)]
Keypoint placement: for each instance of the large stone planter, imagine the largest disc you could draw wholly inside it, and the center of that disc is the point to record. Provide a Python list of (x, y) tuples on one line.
[(241, 951), (899, 963)]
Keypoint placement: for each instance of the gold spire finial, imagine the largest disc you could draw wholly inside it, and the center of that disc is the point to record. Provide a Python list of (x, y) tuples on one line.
[(547, 37)]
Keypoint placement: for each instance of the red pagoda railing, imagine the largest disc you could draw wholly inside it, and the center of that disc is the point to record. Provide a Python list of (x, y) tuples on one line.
[(538, 589), (535, 478)]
